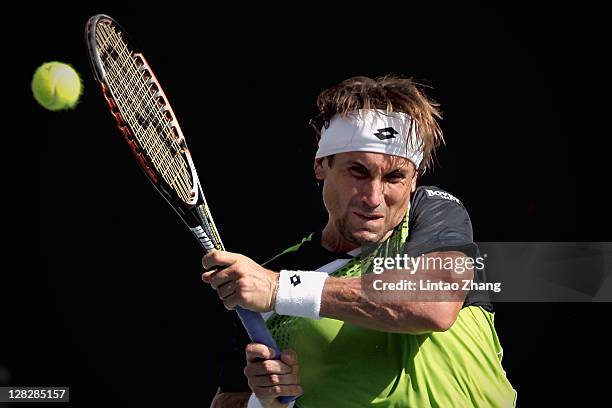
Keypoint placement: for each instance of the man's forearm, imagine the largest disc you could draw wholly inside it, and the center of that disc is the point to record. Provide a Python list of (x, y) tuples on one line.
[(346, 299)]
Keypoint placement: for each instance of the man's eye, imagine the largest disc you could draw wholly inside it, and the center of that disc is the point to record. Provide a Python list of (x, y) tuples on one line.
[(360, 171), (395, 177)]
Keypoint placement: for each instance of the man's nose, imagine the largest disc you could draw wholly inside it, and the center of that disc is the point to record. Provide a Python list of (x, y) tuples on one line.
[(373, 193)]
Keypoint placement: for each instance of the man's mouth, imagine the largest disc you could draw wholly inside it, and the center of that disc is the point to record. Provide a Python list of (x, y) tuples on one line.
[(368, 217)]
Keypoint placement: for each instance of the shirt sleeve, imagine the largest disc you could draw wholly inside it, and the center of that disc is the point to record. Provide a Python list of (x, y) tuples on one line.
[(438, 222)]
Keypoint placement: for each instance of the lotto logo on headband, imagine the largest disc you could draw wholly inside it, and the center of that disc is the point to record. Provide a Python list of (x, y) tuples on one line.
[(386, 133), (372, 130)]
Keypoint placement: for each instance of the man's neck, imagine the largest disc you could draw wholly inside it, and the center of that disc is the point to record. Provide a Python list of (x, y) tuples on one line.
[(333, 241)]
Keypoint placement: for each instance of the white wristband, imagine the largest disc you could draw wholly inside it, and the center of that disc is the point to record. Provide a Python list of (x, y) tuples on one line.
[(299, 293), (255, 403)]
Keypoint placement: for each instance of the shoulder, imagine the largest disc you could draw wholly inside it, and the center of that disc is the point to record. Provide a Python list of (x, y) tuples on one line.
[(289, 253), (434, 202), (305, 255), (437, 215), (431, 194)]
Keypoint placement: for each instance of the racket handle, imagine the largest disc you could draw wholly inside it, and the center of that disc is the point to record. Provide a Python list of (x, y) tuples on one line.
[(257, 330)]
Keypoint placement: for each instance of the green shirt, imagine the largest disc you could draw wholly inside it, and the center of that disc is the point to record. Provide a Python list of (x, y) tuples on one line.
[(343, 365)]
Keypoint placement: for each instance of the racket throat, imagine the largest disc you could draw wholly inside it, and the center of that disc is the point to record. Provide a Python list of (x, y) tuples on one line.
[(203, 238), (206, 231)]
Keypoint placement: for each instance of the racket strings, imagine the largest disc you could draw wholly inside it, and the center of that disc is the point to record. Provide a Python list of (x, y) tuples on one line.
[(160, 155), (163, 156), (134, 93), (138, 87)]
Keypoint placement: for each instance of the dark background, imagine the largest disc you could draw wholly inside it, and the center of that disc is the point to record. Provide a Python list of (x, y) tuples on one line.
[(106, 294)]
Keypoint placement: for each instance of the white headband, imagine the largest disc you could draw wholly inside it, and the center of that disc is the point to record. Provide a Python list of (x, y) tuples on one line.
[(372, 130)]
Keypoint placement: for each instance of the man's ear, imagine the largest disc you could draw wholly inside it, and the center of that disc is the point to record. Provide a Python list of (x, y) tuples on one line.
[(319, 169), (413, 183)]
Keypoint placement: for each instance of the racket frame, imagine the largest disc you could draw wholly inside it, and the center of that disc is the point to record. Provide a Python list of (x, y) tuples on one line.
[(195, 213)]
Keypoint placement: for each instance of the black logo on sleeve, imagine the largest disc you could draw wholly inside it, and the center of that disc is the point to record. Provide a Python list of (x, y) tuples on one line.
[(386, 133), (295, 280)]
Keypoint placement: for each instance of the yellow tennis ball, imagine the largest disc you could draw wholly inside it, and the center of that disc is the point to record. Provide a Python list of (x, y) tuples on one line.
[(56, 86)]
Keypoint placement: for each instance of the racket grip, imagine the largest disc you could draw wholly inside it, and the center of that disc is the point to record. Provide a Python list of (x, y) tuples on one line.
[(257, 330)]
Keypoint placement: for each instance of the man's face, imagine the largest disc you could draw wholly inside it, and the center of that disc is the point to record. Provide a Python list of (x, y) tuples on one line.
[(366, 195)]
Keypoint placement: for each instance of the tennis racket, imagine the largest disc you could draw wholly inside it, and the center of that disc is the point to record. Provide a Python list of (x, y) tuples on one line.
[(150, 128)]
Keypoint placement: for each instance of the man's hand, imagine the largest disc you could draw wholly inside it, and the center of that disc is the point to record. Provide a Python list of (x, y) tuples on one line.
[(269, 378), (240, 281)]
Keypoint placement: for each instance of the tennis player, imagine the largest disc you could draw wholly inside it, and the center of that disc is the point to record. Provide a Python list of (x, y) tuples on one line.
[(349, 340)]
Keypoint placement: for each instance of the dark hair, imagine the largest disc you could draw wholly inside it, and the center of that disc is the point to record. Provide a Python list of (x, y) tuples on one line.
[(390, 93)]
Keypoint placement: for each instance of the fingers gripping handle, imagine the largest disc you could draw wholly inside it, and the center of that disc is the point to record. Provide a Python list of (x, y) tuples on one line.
[(253, 322), (257, 330)]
